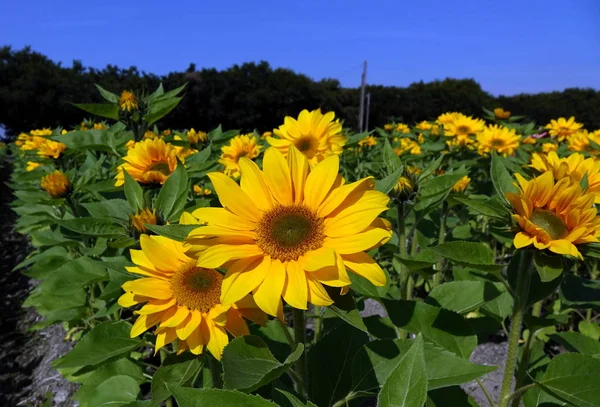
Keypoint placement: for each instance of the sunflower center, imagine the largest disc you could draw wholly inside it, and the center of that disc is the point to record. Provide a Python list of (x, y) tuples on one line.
[(307, 145), (550, 222), (463, 129), (497, 142), (196, 288), (287, 232), (161, 167)]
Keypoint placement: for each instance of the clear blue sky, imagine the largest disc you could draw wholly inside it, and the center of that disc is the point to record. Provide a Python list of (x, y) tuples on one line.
[(507, 46)]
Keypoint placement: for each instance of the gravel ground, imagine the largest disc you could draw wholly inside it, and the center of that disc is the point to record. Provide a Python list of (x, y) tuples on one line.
[(26, 376)]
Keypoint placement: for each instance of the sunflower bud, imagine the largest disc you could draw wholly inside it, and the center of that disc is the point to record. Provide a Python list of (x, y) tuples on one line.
[(56, 184), (128, 102), (143, 217)]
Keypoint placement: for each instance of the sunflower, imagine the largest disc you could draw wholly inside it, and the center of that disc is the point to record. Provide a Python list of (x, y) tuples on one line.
[(388, 127), (528, 140), (576, 166), (503, 140), (32, 165), (408, 145), (289, 230), (462, 184), (424, 125), (462, 140), (369, 141), (554, 215), (501, 113), (402, 128), (547, 147), (51, 149), (447, 118), (582, 141), (143, 217), (198, 190), (316, 135), (195, 137), (240, 146), (462, 125), (149, 161), (182, 299), (128, 102), (56, 184), (563, 128)]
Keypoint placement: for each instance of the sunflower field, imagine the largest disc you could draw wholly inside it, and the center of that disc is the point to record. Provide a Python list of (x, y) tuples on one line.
[(194, 268)]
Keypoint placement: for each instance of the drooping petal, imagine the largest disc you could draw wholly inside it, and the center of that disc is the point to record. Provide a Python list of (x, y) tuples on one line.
[(217, 339), (236, 324), (192, 323), (364, 265), (242, 277), (317, 294), (295, 289), (143, 323), (268, 294)]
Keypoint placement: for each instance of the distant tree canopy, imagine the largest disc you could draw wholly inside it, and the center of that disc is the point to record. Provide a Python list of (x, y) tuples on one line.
[(37, 92)]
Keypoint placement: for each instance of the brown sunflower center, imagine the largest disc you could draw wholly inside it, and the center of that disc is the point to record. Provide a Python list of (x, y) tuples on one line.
[(497, 142), (196, 288), (287, 232), (161, 167), (307, 145), (550, 222), (463, 129)]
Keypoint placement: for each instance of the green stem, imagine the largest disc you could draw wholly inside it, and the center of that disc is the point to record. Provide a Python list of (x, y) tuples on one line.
[(215, 372), (163, 356), (300, 336), (441, 240), (318, 321), (515, 328), (521, 390), (287, 334), (487, 394), (402, 250), (522, 368)]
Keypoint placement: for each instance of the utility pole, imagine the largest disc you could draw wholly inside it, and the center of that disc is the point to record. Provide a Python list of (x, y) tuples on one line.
[(363, 83), (368, 111)]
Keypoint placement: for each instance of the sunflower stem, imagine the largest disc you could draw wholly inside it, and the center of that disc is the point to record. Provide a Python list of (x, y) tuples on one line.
[(403, 271), (300, 336), (441, 240), (215, 372), (318, 321), (515, 328)]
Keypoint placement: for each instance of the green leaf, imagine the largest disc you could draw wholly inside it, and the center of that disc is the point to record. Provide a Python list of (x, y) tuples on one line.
[(329, 361), (538, 290), (574, 378), (579, 292), (248, 364), (175, 232), (589, 329), (406, 386), (450, 396), (501, 178), (444, 328), (469, 254), (462, 296), (548, 267), (292, 400), (173, 195), (100, 140), (175, 372), (100, 109), (134, 193), (115, 391), (390, 159), (111, 208), (488, 208), (435, 190), (99, 227), (576, 342), (363, 286), (374, 362), (344, 308), (388, 183), (106, 341), (187, 397), (430, 168), (109, 96), (160, 107)]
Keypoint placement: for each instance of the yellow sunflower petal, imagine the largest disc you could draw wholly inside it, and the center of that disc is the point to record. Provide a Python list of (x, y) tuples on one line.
[(522, 240), (268, 293), (149, 287), (217, 339), (242, 277), (155, 306), (236, 324), (195, 341), (233, 198), (223, 218), (143, 323), (177, 318), (278, 177), (217, 255), (164, 338), (357, 243), (337, 196), (319, 258), (130, 299), (317, 294), (355, 218), (299, 169), (253, 183), (295, 289), (320, 180), (363, 265), (192, 323)]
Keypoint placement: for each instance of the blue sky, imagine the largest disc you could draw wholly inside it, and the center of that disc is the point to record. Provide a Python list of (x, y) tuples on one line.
[(507, 46)]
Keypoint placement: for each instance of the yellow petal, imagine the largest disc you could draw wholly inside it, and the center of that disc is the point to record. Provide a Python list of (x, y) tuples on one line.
[(357, 243), (564, 247), (130, 299), (236, 324), (164, 338), (177, 318), (268, 293), (217, 339), (254, 184), (143, 323), (356, 217), (233, 198), (149, 287), (363, 265), (295, 289), (299, 169), (217, 255), (317, 294), (155, 306), (165, 254), (522, 240), (337, 196), (242, 277), (223, 218), (193, 322), (319, 258), (278, 177), (195, 341), (320, 180)]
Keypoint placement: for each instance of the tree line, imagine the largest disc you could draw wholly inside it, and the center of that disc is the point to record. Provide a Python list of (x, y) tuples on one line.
[(38, 92)]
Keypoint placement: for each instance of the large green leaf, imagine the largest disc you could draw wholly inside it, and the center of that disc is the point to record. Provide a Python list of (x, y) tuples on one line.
[(363, 286), (444, 328), (99, 227), (134, 193), (450, 396), (109, 96), (115, 392), (374, 362), (110, 208), (576, 342), (463, 296), (187, 397), (173, 195), (469, 254), (160, 107), (344, 308), (106, 341), (406, 386), (574, 378), (388, 183), (176, 371), (100, 109), (248, 364), (435, 190), (101, 140), (549, 267), (489, 207), (390, 159), (175, 232), (501, 178), (580, 292)]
